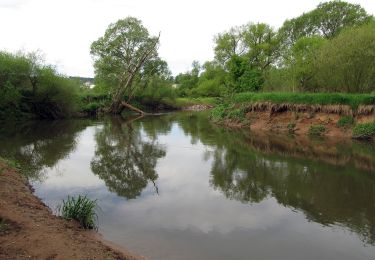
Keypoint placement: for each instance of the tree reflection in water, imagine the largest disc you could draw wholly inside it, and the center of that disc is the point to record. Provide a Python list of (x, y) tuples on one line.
[(125, 159), (37, 145), (330, 182)]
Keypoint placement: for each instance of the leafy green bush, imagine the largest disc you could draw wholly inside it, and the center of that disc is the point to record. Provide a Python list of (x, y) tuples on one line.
[(81, 209), (345, 122), (364, 131), (219, 112), (30, 88), (317, 130)]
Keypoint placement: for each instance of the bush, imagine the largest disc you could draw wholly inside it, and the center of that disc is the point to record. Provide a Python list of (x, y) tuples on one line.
[(317, 130), (364, 131), (219, 112), (81, 209), (345, 122)]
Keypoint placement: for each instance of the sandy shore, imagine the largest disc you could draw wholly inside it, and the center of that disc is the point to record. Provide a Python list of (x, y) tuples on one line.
[(29, 230)]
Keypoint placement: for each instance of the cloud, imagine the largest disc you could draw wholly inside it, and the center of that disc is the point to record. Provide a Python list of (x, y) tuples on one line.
[(12, 4)]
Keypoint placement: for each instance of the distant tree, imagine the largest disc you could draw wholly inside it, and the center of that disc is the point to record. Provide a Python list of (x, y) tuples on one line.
[(347, 62), (212, 81), (228, 44), (188, 81), (327, 20), (303, 62), (119, 57), (244, 77)]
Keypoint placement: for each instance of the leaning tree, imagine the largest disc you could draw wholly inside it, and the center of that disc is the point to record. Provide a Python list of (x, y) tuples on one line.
[(119, 57)]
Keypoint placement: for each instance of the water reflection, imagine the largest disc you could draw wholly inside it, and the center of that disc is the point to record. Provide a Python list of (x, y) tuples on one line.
[(37, 145), (250, 168), (124, 159), (223, 193)]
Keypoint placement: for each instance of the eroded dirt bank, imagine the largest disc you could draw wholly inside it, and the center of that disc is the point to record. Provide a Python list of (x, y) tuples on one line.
[(298, 119), (32, 232)]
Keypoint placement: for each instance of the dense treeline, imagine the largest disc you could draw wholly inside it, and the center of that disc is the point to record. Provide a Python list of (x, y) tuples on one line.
[(30, 88), (329, 49)]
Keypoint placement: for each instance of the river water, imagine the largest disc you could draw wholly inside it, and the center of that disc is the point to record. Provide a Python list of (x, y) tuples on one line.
[(176, 186)]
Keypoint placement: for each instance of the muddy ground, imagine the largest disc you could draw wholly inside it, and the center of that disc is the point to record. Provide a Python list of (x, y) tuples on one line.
[(28, 230)]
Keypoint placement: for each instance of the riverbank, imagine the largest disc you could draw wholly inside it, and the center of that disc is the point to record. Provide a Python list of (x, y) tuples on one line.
[(29, 230), (332, 115)]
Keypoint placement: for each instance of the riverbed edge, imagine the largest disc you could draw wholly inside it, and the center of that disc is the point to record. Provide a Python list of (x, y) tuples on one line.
[(29, 230)]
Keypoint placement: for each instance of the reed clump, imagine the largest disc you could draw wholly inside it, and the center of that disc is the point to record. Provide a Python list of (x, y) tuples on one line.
[(81, 209)]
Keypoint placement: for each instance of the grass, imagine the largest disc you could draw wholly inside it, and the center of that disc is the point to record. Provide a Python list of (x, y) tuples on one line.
[(364, 131), (189, 101), (81, 209), (352, 100), (3, 225), (345, 122), (317, 130), (10, 163)]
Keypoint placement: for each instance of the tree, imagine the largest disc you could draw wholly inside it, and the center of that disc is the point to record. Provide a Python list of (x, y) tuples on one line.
[(119, 57), (228, 44), (303, 62), (347, 62), (327, 20)]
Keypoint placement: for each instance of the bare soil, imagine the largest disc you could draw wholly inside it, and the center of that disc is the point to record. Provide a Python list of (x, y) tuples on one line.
[(29, 230)]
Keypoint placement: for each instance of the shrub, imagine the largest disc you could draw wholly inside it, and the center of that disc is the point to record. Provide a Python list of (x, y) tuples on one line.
[(364, 131), (81, 209), (219, 112), (317, 130), (345, 122)]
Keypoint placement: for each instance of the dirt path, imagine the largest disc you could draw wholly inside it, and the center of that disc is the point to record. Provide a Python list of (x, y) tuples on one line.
[(32, 232)]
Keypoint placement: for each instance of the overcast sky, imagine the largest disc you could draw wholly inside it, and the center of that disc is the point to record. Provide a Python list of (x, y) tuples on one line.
[(64, 29)]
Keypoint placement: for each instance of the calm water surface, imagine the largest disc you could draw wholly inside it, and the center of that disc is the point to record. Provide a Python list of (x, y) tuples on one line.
[(177, 187)]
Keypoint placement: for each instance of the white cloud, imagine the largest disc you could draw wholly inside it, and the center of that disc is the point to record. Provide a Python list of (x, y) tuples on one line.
[(64, 29)]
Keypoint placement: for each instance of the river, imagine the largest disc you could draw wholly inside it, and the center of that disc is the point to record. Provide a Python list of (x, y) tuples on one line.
[(176, 186)]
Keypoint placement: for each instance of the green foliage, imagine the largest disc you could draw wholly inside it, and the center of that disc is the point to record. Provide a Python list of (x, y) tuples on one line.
[(123, 56), (244, 77), (364, 130), (219, 112), (231, 112), (81, 209), (345, 121), (347, 62), (189, 101), (353, 100), (303, 62), (29, 87), (317, 130), (327, 20)]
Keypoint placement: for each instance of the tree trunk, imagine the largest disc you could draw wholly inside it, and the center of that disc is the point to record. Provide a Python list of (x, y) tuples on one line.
[(118, 107)]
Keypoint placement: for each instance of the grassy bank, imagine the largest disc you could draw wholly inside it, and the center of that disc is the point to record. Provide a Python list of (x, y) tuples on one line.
[(347, 106), (352, 100)]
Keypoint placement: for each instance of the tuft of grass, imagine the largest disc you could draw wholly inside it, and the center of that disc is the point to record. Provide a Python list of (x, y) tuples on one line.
[(364, 131), (3, 225), (352, 100), (317, 130), (291, 127), (232, 112), (345, 122), (11, 164), (81, 209)]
